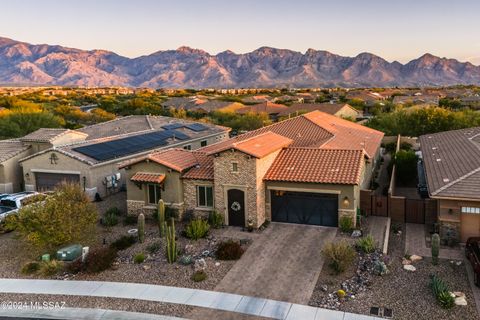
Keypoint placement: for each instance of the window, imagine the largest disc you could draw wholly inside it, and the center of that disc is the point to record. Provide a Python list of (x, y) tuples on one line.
[(187, 147), (203, 143), (234, 167), (154, 193), (471, 210), (205, 196)]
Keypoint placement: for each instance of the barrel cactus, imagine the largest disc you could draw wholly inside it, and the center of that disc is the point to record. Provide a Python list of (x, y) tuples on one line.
[(161, 218), (141, 227), (435, 248)]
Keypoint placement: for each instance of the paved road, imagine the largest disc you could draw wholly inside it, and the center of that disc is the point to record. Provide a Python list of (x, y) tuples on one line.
[(283, 264)]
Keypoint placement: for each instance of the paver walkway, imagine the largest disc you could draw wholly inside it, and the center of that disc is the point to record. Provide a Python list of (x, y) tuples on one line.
[(415, 244), (283, 264), (192, 297), (81, 314)]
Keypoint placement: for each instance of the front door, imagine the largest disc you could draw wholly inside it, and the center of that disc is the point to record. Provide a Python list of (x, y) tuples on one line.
[(236, 207)]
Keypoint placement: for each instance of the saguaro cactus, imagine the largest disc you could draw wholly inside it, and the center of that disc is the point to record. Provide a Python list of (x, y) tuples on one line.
[(141, 227), (170, 243), (161, 218), (435, 248)]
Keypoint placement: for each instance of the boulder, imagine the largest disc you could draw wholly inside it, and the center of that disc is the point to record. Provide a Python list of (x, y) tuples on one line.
[(200, 265), (406, 261), (409, 267), (415, 257), (460, 301), (459, 294), (356, 233)]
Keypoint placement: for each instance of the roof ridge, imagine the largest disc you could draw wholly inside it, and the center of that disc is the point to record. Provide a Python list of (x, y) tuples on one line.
[(448, 185), (255, 137)]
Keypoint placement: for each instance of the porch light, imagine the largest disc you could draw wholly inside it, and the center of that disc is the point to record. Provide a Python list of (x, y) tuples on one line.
[(346, 202)]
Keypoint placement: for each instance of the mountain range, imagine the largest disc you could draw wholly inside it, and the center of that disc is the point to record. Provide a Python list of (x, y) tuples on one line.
[(28, 64)]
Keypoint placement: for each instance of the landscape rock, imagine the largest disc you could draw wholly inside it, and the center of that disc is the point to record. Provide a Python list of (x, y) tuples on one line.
[(409, 267), (200, 265), (459, 294), (146, 267), (217, 264), (356, 233), (460, 301), (415, 257), (406, 261)]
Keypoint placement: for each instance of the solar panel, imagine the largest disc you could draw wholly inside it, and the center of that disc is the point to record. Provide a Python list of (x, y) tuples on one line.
[(173, 126), (129, 145), (196, 127)]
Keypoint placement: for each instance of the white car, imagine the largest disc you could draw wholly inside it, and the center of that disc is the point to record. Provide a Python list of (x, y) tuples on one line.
[(10, 204)]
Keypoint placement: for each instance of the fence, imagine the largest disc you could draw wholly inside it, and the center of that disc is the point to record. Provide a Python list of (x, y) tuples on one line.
[(399, 209)]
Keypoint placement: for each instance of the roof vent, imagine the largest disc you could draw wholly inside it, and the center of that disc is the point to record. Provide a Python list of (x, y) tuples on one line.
[(434, 148), (446, 180), (438, 159)]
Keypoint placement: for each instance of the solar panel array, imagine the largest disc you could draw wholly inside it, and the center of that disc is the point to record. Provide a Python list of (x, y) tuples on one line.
[(197, 127), (129, 145)]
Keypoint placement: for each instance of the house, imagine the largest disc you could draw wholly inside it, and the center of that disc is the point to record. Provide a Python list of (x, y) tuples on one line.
[(431, 100), (90, 155), (342, 110), (270, 108), (307, 169), (452, 167)]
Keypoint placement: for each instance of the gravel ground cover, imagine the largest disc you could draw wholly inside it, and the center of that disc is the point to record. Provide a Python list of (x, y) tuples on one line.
[(407, 293)]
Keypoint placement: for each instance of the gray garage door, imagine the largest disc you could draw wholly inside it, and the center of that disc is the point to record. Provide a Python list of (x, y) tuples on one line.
[(305, 208), (48, 181)]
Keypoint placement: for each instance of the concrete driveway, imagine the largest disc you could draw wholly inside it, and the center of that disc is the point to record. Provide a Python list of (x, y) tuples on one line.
[(283, 263)]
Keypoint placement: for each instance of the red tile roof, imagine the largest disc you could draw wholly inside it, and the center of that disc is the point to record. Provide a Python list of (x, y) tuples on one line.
[(203, 170), (317, 166), (176, 159), (148, 177)]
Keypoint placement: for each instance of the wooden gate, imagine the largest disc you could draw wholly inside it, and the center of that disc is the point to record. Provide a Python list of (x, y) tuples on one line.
[(414, 211)]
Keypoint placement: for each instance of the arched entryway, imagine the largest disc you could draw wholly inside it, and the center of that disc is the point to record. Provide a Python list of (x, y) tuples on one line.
[(236, 207)]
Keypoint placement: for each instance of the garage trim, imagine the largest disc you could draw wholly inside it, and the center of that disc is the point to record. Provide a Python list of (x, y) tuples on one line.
[(304, 190), (55, 171)]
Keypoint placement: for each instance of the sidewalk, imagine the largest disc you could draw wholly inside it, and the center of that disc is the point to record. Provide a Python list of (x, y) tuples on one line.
[(415, 244), (193, 297)]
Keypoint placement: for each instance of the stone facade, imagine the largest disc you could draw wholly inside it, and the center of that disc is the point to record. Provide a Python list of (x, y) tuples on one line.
[(134, 208), (190, 197)]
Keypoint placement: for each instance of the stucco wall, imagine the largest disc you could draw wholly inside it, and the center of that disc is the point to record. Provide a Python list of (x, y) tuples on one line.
[(172, 194), (11, 174), (463, 224)]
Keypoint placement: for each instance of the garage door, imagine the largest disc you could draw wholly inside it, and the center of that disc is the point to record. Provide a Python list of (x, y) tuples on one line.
[(470, 224), (305, 208), (48, 181)]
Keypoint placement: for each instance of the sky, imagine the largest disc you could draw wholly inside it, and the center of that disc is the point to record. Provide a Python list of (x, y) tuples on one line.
[(395, 30)]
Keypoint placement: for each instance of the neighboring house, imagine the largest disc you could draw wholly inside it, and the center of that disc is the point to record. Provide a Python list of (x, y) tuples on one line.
[(369, 98), (92, 159), (342, 110), (271, 109), (432, 100), (216, 105), (308, 169), (452, 168)]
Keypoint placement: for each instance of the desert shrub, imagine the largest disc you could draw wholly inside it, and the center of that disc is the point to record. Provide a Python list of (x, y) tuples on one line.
[(215, 219), (31, 267), (196, 229), (100, 259), (75, 266), (50, 268), (67, 216), (446, 300), (199, 276), (123, 242), (346, 224), (130, 220), (366, 244), (340, 255), (441, 292), (229, 250), (8, 224), (110, 219), (139, 257), (154, 247), (186, 260), (113, 211)]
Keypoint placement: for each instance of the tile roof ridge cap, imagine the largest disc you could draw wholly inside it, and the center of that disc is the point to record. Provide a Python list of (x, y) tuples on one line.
[(448, 185), (258, 135)]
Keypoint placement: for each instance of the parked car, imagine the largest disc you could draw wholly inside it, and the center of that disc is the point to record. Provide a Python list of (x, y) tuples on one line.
[(472, 252), (11, 203)]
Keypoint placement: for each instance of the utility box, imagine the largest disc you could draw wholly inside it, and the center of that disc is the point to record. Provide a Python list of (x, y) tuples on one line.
[(69, 253)]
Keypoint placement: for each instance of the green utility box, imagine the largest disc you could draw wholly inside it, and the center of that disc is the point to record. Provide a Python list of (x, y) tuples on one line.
[(69, 253), (46, 257)]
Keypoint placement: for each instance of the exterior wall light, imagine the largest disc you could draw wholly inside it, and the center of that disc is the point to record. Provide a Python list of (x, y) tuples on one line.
[(346, 202)]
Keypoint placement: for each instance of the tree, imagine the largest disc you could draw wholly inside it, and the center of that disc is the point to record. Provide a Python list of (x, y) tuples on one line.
[(65, 217), (18, 124), (406, 167)]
